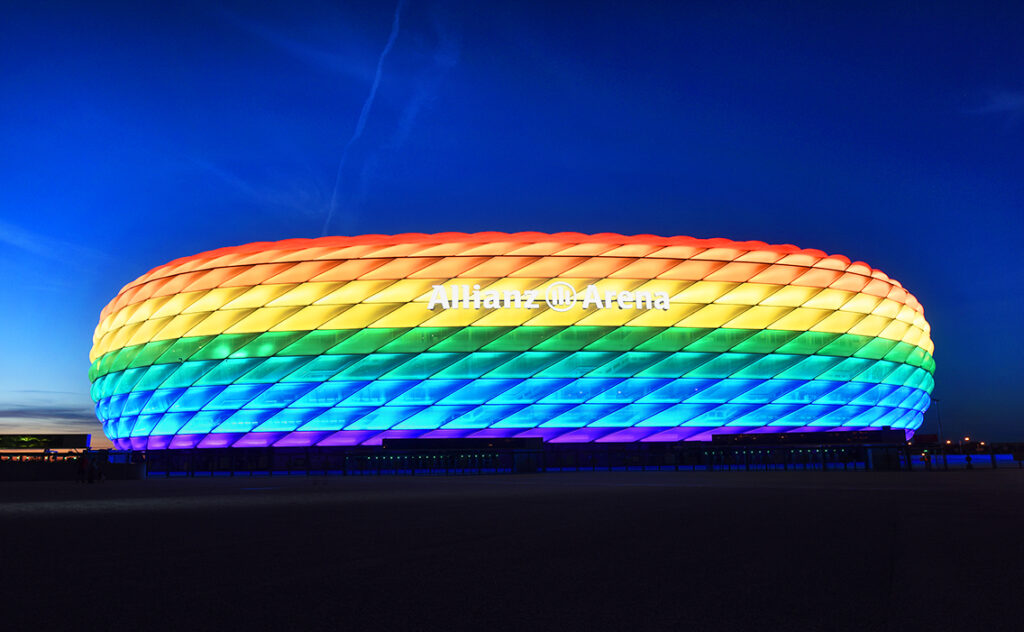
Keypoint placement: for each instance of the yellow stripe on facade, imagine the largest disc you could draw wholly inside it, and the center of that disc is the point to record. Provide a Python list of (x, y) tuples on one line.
[(260, 295), (261, 320), (402, 303), (214, 299), (758, 317), (791, 296), (303, 294), (829, 299)]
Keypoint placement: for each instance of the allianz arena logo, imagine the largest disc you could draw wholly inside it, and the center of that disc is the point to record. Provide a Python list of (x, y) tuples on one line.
[(559, 296)]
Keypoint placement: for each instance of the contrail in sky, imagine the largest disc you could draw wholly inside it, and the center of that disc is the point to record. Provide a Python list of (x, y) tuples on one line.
[(446, 55), (361, 123)]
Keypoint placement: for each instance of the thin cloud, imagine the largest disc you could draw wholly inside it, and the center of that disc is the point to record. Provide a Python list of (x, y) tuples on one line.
[(445, 57), (225, 176), (1009, 105), (52, 419), (336, 202), (425, 91), (49, 414), (1003, 102), (302, 196), (344, 64), (364, 113), (57, 414), (54, 426), (46, 247), (301, 51)]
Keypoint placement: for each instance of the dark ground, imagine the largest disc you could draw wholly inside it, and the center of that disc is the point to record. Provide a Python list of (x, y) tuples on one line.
[(591, 550)]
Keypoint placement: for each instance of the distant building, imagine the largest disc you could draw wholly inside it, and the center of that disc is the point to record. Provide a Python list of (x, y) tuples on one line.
[(568, 337)]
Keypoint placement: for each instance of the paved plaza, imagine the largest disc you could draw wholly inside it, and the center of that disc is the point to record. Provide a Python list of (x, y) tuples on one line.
[(588, 550)]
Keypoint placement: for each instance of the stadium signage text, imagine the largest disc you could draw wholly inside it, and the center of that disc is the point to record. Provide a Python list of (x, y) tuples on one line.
[(559, 296)]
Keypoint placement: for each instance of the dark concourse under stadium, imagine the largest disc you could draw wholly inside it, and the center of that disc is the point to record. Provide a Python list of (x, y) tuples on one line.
[(875, 449), (866, 450)]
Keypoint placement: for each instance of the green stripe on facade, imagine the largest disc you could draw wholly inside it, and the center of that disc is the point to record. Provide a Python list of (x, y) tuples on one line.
[(503, 339)]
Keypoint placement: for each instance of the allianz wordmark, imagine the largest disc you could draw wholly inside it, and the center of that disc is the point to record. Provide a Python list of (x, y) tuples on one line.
[(559, 296)]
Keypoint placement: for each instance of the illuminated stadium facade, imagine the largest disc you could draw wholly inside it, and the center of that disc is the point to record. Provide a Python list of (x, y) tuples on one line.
[(569, 337)]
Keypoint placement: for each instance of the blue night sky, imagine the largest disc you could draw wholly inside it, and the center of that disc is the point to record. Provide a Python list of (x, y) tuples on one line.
[(134, 134)]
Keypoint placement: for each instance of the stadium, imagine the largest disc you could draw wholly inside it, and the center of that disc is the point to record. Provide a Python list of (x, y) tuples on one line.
[(570, 338)]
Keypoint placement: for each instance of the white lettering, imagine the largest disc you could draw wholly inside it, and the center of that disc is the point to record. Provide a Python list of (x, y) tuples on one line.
[(623, 299), (491, 299), (644, 300), (439, 296), (661, 300), (592, 297), (512, 296), (466, 297), (531, 299)]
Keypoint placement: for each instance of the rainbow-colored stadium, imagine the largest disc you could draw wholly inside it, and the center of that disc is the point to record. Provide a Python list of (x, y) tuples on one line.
[(568, 337)]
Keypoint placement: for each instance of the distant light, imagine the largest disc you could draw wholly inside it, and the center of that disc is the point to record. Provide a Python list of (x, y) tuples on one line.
[(967, 438)]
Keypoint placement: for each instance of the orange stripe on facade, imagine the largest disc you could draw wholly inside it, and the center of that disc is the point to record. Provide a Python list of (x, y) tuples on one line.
[(336, 254)]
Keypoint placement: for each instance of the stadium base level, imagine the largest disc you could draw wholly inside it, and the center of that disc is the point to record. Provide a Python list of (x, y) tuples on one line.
[(862, 450)]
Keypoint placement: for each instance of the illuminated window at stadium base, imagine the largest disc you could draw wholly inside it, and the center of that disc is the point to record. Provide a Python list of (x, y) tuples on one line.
[(568, 337)]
